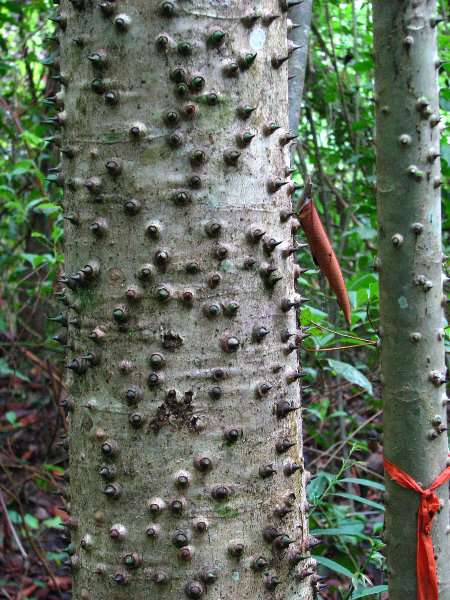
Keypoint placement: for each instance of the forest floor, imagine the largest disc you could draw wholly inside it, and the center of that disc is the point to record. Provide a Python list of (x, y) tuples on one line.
[(32, 541)]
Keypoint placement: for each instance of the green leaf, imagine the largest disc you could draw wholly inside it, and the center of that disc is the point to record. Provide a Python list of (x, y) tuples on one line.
[(333, 565), (376, 505), (338, 413), (31, 138), (325, 338), (314, 413), (363, 233), (373, 290), (7, 192), (15, 517), (49, 59), (11, 417), (360, 125), (49, 208), (33, 204), (31, 521), (305, 317), (445, 150), (11, 6), (340, 531), (363, 66), (362, 296), (57, 556), (351, 374), (35, 259), (54, 523), (317, 486), (5, 369), (362, 281), (51, 467), (316, 313), (373, 484), (25, 166), (444, 104), (365, 592), (353, 297), (14, 205)]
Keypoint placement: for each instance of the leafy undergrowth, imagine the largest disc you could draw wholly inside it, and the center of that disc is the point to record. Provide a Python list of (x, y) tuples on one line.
[(342, 426)]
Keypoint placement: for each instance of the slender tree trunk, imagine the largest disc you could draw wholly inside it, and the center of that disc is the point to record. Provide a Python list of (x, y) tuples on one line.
[(300, 21), (409, 264), (186, 470)]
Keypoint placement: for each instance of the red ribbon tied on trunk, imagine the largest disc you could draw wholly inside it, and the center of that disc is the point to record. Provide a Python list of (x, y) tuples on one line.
[(427, 588)]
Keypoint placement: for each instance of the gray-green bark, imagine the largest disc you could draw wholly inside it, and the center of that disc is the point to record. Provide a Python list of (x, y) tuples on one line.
[(300, 17), (409, 264), (186, 472)]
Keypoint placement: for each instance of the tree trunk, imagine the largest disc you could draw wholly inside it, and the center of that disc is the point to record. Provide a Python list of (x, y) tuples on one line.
[(186, 470), (300, 17), (409, 264)]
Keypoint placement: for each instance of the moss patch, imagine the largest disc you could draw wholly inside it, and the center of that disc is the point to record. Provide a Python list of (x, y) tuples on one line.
[(88, 299), (225, 511)]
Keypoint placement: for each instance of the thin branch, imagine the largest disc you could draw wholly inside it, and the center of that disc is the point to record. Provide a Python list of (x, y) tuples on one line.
[(338, 347), (29, 537), (318, 154), (346, 335), (320, 39), (338, 75), (12, 529), (344, 239), (351, 436)]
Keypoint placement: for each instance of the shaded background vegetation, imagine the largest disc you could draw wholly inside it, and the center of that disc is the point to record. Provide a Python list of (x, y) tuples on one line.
[(342, 415)]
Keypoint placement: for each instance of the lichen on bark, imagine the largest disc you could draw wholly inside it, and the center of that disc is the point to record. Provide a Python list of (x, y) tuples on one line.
[(180, 366)]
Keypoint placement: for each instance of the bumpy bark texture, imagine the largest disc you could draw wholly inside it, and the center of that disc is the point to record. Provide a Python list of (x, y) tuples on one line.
[(186, 472), (411, 301)]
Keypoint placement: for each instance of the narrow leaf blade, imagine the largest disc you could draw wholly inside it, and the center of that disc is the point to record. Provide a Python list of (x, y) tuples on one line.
[(358, 499), (365, 592), (367, 482), (351, 374), (333, 565)]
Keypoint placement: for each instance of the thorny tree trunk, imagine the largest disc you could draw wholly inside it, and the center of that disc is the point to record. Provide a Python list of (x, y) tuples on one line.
[(186, 470), (411, 300)]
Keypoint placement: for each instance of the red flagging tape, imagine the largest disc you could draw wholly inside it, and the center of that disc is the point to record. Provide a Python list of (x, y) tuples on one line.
[(426, 567)]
